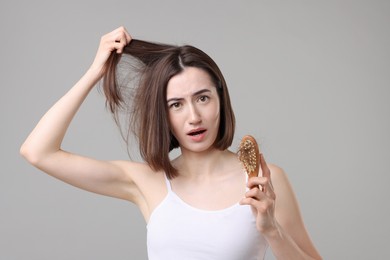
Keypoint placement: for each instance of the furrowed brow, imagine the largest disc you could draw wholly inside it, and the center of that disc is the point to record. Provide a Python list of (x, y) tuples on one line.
[(194, 94), (174, 99), (201, 92)]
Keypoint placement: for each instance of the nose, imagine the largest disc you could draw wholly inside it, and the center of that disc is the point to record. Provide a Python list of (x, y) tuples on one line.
[(194, 116)]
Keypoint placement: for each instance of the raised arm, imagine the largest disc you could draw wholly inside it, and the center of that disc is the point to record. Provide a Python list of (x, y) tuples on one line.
[(42, 148)]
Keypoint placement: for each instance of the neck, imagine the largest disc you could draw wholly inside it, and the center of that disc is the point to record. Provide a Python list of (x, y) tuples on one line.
[(203, 165)]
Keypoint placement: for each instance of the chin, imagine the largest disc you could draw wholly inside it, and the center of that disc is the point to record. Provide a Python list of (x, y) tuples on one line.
[(198, 148)]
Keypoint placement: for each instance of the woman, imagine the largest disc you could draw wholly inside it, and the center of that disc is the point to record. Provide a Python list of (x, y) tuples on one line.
[(199, 205)]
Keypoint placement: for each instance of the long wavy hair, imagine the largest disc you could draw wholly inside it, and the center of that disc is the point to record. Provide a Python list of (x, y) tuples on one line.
[(146, 108)]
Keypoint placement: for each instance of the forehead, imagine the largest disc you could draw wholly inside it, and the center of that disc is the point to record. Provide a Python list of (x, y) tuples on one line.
[(189, 81)]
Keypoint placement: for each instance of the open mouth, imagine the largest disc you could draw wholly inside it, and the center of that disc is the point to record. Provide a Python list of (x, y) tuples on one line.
[(194, 133)]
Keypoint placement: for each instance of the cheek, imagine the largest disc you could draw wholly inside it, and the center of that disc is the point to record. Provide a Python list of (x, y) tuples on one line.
[(217, 112)]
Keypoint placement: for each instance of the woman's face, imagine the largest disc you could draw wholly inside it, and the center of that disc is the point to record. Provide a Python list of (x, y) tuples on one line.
[(193, 105)]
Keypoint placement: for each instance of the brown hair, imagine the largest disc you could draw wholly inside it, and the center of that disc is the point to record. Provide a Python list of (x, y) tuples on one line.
[(149, 112)]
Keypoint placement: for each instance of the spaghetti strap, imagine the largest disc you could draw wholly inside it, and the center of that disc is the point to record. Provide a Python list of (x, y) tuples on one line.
[(168, 183)]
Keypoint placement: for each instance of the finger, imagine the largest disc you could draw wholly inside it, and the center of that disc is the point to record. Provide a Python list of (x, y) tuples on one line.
[(264, 184), (269, 190), (255, 193), (261, 194), (266, 171), (259, 206), (256, 181), (119, 46), (120, 37), (122, 34), (250, 202), (127, 35)]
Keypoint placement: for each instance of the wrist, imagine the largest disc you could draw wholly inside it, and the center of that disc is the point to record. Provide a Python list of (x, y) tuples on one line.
[(273, 232), (94, 74), (95, 71)]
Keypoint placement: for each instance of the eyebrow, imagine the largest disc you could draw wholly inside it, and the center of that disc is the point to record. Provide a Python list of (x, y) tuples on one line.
[(194, 94)]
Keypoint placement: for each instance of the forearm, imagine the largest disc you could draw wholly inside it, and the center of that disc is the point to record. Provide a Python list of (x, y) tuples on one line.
[(48, 134), (284, 247)]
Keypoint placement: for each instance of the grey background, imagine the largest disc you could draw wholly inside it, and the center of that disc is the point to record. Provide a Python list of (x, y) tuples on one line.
[(309, 79)]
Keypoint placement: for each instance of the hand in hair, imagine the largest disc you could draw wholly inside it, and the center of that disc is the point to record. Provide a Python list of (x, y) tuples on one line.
[(113, 41)]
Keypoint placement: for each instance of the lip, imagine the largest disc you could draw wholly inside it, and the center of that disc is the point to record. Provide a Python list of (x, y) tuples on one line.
[(196, 130), (198, 137)]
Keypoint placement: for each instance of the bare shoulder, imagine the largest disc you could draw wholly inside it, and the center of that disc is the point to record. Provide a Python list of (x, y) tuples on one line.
[(278, 175), (276, 170), (280, 180)]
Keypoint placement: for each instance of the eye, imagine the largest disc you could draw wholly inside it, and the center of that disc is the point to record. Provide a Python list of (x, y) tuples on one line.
[(175, 105), (203, 99)]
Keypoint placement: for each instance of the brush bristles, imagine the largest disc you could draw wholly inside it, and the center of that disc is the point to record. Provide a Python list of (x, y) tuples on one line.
[(248, 154)]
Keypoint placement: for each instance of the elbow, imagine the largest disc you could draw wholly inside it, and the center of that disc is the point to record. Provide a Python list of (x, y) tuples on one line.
[(28, 153)]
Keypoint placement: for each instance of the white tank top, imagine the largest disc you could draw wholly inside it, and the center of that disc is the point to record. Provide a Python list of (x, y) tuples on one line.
[(177, 230)]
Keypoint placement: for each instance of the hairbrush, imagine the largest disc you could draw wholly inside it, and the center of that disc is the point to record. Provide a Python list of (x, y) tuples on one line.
[(249, 155)]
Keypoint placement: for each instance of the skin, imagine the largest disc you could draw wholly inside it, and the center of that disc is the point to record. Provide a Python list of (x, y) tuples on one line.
[(193, 104)]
